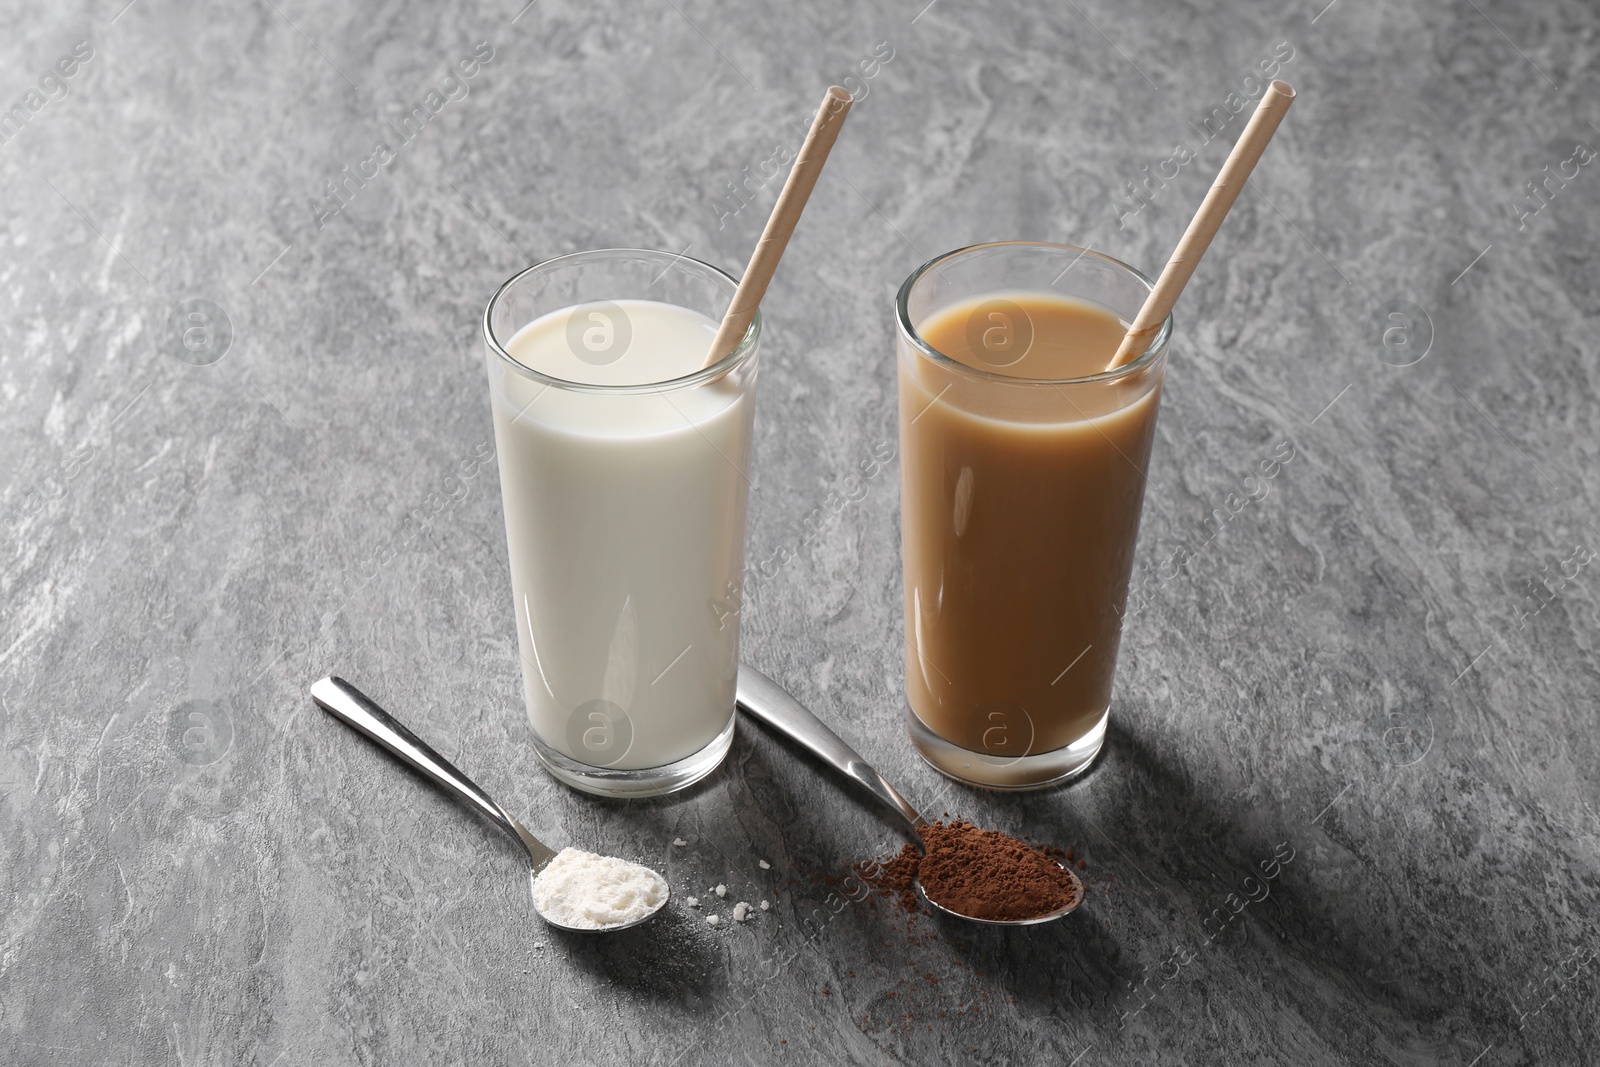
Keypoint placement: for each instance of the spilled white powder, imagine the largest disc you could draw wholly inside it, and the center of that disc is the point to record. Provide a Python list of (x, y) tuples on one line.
[(589, 892)]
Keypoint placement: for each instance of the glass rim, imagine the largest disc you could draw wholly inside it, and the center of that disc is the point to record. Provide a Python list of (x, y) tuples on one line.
[(1153, 352), (723, 366)]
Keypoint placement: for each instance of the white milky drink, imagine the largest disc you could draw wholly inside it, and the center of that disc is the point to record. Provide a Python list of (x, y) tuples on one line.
[(625, 522)]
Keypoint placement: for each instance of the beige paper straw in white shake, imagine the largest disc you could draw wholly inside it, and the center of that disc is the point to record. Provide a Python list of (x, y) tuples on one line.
[(780, 224)]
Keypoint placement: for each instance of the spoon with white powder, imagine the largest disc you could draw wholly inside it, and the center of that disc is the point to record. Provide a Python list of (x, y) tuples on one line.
[(572, 889)]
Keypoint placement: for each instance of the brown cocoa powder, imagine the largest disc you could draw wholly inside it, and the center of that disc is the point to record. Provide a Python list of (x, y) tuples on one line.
[(982, 873)]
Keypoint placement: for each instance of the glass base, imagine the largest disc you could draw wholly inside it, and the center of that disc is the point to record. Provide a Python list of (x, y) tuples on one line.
[(641, 781), (989, 771)]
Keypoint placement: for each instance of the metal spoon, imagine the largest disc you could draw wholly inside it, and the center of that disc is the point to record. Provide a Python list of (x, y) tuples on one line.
[(769, 703), (358, 711)]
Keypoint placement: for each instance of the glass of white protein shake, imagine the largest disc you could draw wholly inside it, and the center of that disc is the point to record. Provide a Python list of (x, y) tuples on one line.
[(624, 472)]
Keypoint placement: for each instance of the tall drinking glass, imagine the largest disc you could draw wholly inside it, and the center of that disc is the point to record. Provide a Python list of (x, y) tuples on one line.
[(1020, 501), (624, 473)]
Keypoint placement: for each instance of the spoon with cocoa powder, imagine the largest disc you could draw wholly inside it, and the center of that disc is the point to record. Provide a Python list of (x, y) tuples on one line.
[(954, 867)]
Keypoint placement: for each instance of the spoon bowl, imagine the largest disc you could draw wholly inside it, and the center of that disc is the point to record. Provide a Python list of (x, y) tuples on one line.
[(361, 713), (1051, 917), (770, 704)]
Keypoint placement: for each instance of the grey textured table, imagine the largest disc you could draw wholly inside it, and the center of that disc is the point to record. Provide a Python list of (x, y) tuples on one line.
[(1373, 677)]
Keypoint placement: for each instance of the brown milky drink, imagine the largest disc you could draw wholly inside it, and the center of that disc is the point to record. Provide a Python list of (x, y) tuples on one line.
[(1022, 476)]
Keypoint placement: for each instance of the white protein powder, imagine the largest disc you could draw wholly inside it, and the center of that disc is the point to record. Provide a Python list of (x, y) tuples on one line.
[(589, 892)]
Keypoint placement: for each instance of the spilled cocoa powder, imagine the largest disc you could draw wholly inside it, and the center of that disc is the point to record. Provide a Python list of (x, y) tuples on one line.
[(981, 873)]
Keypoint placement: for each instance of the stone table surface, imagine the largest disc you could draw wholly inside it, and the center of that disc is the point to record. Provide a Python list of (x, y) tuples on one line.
[(1347, 813)]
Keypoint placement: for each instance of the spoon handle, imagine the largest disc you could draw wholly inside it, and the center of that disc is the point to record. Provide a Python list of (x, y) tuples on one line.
[(356, 710), (766, 700)]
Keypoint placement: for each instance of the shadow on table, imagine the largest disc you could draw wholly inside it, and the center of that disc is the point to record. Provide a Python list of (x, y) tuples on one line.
[(661, 959), (1072, 963), (1182, 853)]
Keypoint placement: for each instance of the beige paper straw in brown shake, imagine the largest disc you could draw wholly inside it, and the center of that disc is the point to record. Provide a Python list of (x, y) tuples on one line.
[(1213, 209), (780, 224)]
